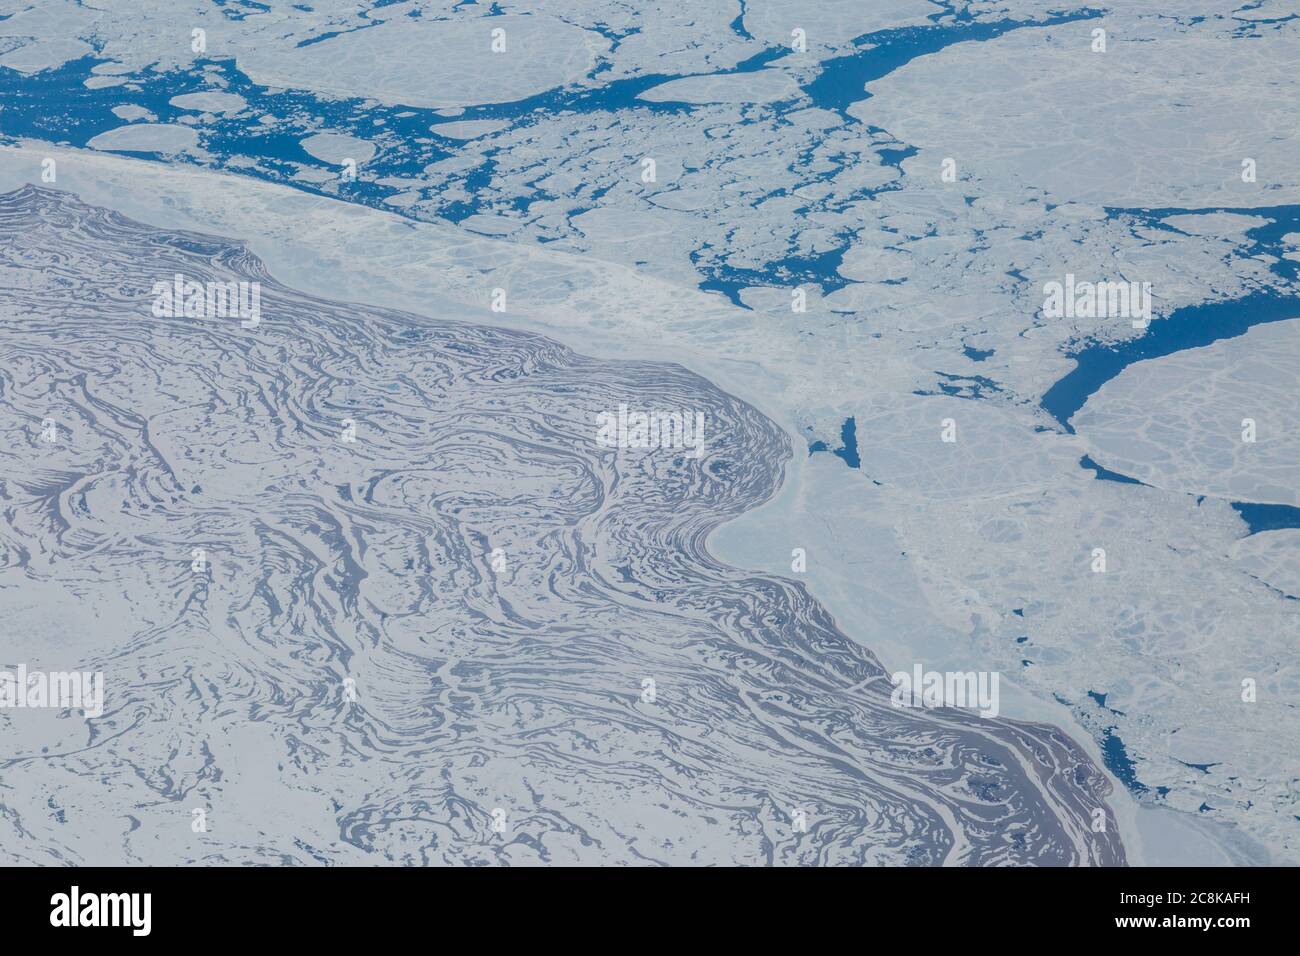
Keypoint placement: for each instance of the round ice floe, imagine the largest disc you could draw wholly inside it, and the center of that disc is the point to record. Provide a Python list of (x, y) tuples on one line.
[(336, 147), (210, 101), (132, 112)]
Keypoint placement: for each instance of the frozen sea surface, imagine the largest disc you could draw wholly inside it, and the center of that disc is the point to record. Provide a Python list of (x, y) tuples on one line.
[(429, 640), (915, 171)]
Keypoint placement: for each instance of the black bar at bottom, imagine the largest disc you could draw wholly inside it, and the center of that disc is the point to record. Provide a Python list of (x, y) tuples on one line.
[(334, 907)]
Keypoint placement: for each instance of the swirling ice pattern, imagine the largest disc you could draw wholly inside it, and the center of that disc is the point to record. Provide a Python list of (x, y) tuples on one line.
[(364, 569)]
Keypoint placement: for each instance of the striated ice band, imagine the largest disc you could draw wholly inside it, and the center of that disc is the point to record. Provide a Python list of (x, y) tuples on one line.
[(366, 587)]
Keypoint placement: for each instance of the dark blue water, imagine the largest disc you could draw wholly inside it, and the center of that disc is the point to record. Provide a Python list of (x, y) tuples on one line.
[(1105, 474), (840, 84), (1266, 517), (841, 81), (1101, 702), (738, 24), (1190, 327), (1117, 761), (962, 386), (1258, 517), (401, 134), (1193, 326), (821, 270), (848, 450), (403, 141), (405, 144)]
